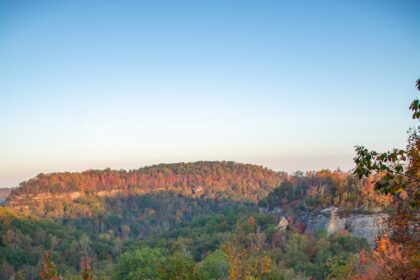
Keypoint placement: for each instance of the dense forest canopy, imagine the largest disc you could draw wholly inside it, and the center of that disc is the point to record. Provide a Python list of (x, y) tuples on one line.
[(188, 220), (212, 220), (299, 85), (212, 179), (314, 191), (216, 220)]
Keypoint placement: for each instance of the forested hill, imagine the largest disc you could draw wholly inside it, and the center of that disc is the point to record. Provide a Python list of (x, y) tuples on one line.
[(210, 179), (167, 232)]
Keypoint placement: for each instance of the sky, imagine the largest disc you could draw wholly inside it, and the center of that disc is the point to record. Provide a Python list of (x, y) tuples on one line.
[(291, 85)]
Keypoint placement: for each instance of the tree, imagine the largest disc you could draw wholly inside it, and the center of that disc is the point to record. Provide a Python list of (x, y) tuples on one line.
[(86, 269), (247, 255), (179, 267), (396, 172), (139, 264), (215, 266), (48, 268)]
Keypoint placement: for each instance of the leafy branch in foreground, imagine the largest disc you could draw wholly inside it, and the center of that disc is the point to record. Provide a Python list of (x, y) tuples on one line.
[(396, 172)]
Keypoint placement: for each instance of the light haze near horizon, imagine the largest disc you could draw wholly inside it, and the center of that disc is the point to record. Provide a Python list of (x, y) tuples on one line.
[(291, 85)]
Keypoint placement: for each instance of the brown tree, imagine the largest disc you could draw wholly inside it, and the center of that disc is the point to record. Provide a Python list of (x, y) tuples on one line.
[(48, 268)]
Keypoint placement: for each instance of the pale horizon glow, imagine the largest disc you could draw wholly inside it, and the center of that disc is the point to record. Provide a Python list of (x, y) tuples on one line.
[(290, 85)]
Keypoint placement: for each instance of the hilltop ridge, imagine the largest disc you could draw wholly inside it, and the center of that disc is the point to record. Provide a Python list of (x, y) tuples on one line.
[(212, 179)]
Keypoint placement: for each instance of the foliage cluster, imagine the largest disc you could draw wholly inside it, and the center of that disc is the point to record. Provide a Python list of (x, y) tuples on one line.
[(211, 179)]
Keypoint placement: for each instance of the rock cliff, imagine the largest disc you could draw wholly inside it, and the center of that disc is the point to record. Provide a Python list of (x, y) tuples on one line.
[(332, 220)]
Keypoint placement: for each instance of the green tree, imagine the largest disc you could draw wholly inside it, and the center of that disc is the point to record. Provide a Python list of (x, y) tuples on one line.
[(296, 256), (399, 169), (139, 264), (215, 266), (179, 267)]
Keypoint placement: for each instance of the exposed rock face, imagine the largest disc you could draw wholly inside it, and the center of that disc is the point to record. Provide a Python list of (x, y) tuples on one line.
[(283, 223), (367, 226), (359, 225)]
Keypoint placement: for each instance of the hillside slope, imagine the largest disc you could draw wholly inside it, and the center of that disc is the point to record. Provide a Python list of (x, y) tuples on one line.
[(240, 182), (109, 224)]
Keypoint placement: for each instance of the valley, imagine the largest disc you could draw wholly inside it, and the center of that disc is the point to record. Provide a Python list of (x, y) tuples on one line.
[(193, 216)]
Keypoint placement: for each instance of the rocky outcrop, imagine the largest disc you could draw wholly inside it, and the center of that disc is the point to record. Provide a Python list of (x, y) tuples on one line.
[(332, 220), (359, 225), (283, 223)]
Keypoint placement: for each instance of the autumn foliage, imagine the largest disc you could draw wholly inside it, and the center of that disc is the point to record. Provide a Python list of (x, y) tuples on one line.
[(48, 269), (212, 179), (398, 176), (387, 261), (247, 256)]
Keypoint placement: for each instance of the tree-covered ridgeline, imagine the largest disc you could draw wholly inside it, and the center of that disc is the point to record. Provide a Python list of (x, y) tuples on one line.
[(210, 179), (198, 230), (176, 224)]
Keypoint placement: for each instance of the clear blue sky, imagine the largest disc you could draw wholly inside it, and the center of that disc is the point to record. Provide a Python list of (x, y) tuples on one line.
[(122, 84)]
